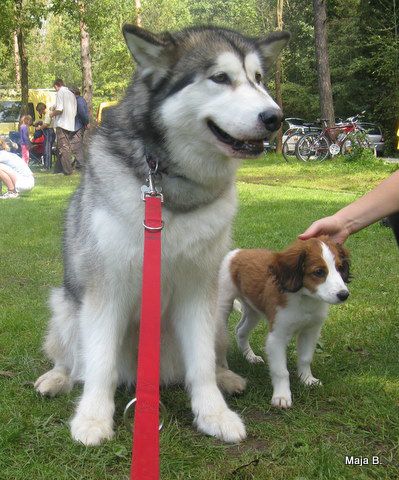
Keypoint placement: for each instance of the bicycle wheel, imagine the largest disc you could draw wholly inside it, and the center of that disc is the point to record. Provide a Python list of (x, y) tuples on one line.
[(353, 141), (312, 148), (289, 146)]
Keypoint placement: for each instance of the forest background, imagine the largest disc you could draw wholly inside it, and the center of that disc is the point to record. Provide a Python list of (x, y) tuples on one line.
[(362, 45)]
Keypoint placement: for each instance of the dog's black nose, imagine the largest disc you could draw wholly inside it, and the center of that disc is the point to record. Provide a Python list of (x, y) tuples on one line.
[(343, 295), (271, 119)]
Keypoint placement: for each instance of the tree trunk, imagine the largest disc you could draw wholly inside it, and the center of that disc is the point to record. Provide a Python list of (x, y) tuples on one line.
[(278, 77), (17, 62), (23, 58), (323, 66), (24, 71), (138, 13), (87, 77)]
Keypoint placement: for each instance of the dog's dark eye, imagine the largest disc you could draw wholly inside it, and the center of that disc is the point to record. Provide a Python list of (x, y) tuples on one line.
[(320, 273), (258, 77), (221, 78)]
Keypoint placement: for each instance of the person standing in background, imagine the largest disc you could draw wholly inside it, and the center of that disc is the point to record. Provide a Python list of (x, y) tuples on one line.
[(25, 122), (49, 134), (82, 120), (64, 121)]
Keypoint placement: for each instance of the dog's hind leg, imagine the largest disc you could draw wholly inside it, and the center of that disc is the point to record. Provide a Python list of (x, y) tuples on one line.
[(249, 319), (227, 380), (60, 345), (230, 382)]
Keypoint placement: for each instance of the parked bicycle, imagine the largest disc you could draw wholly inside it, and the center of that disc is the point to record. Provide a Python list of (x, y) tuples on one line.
[(293, 135), (341, 138)]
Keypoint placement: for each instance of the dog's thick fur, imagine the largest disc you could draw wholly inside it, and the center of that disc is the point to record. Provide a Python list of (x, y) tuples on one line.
[(196, 105)]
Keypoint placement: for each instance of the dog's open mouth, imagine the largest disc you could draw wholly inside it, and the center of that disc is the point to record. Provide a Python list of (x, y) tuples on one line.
[(248, 147)]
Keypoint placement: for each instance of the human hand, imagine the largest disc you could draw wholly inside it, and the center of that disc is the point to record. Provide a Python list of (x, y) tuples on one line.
[(331, 226)]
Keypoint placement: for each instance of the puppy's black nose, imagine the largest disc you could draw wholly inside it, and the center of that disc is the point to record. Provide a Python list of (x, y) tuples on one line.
[(343, 295), (271, 119)]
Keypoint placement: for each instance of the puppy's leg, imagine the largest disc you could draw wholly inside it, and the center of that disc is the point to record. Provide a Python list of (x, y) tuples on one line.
[(306, 344), (103, 325), (227, 380), (227, 292), (196, 331), (60, 346), (276, 345), (248, 322)]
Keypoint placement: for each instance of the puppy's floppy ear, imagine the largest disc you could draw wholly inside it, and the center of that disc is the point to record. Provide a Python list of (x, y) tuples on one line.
[(345, 263), (289, 270), (152, 52), (271, 46)]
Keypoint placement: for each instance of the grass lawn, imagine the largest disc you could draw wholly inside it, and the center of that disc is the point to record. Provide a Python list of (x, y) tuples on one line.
[(354, 413)]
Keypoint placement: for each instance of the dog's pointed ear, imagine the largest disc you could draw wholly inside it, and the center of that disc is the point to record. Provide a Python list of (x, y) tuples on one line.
[(289, 270), (151, 52), (344, 268), (271, 46)]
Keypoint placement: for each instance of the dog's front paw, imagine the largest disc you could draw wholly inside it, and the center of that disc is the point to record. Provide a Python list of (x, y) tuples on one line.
[(53, 383), (226, 426), (282, 401), (90, 430)]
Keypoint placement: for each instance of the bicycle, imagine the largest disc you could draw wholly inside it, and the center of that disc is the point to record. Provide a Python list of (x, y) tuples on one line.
[(331, 141), (293, 135)]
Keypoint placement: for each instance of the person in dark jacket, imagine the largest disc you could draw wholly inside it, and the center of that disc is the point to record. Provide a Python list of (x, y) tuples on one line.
[(82, 120)]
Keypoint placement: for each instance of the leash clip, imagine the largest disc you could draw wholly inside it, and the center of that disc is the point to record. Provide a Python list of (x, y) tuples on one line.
[(151, 190)]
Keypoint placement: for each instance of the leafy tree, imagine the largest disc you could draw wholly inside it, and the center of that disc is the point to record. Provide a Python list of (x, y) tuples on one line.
[(78, 11), (18, 19)]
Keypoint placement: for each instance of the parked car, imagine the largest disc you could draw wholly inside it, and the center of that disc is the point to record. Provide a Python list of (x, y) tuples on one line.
[(374, 136), (10, 107), (300, 125), (293, 122)]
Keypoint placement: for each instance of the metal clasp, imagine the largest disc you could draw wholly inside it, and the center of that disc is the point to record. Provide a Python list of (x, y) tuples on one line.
[(151, 189), (128, 419)]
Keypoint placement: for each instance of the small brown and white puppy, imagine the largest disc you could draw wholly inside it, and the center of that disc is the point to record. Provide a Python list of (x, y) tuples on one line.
[(293, 289)]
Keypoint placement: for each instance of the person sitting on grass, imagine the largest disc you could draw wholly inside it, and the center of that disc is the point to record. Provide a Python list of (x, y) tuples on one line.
[(14, 172)]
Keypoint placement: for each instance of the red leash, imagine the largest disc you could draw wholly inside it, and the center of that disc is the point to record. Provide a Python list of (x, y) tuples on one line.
[(145, 454)]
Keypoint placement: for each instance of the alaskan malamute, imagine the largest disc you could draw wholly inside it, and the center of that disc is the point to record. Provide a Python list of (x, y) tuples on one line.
[(197, 104)]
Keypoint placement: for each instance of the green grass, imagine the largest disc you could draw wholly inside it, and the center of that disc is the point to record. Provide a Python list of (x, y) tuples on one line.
[(355, 412)]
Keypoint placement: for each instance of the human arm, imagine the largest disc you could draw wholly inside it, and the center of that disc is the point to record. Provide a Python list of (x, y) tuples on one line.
[(59, 105), (55, 113), (380, 202)]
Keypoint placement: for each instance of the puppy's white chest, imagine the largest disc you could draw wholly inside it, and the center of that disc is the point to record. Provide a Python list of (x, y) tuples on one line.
[(300, 312)]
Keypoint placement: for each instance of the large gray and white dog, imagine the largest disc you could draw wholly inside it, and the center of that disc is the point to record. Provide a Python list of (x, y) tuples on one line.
[(197, 104)]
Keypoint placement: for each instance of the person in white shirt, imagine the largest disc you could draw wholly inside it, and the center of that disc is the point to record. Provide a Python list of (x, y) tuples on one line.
[(14, 172), (63, 115)]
